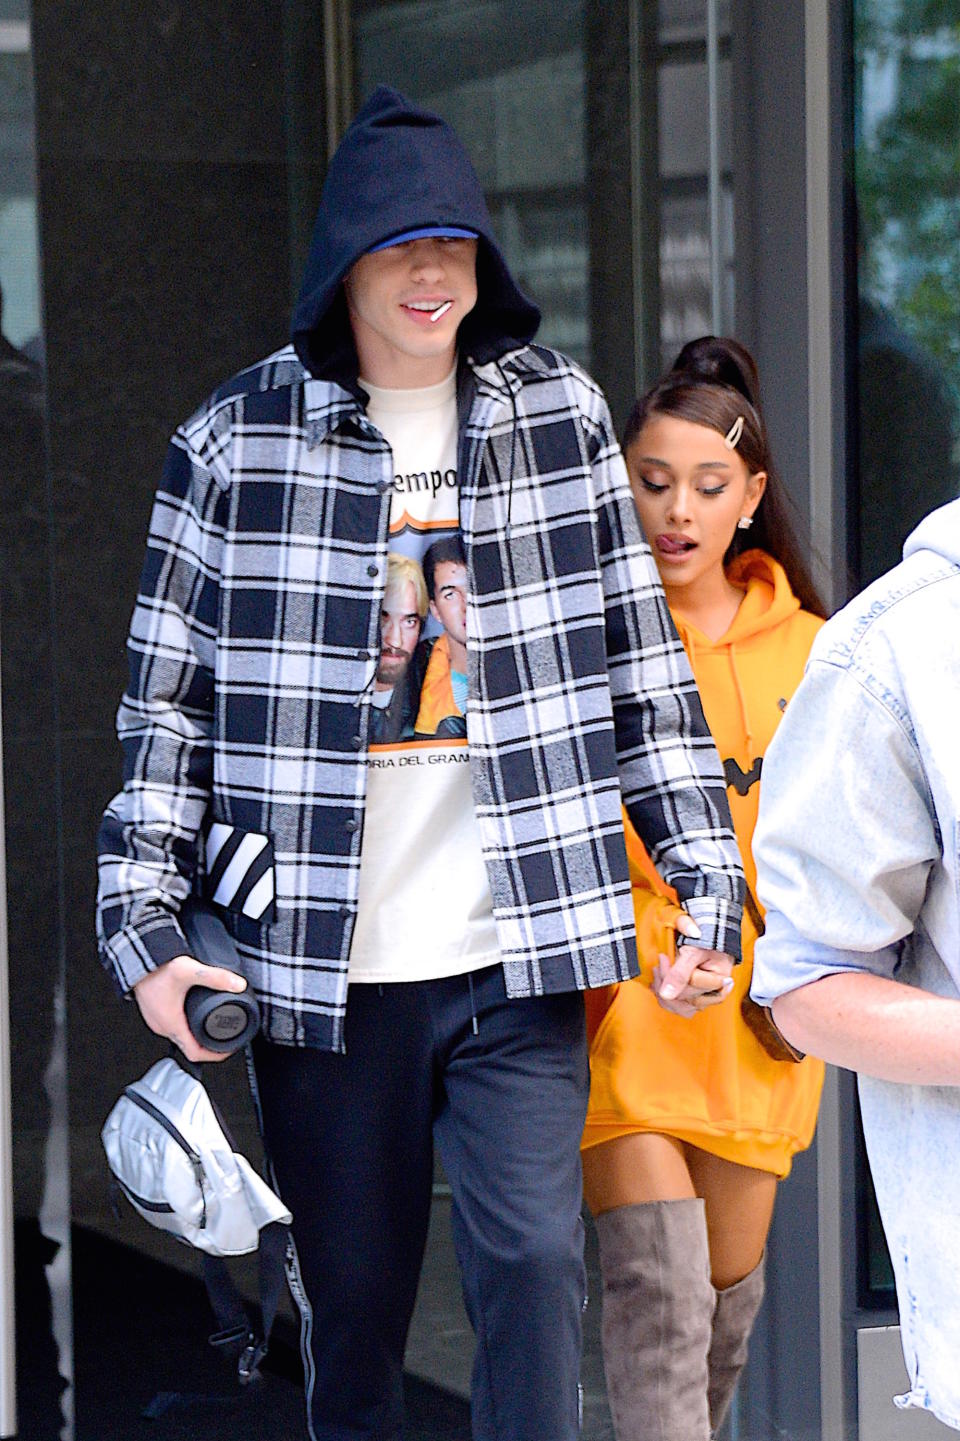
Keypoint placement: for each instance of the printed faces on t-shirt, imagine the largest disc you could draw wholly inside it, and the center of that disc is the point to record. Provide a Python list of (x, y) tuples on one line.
[(423, 621), (424, 904)]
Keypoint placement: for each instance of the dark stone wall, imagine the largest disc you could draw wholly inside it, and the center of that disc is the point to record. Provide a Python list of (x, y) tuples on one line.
[(770, 180), (175, 175), (624, 267), (29, 756)]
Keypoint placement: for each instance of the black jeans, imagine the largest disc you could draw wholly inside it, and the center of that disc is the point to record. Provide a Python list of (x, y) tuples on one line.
[(351, 1139)]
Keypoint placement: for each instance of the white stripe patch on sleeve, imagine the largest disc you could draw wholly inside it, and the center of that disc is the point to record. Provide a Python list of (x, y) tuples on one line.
[(217, 837), (232, 878), (260, 897)]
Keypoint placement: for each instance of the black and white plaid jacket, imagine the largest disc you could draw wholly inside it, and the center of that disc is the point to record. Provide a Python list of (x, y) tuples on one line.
[(253, 649)]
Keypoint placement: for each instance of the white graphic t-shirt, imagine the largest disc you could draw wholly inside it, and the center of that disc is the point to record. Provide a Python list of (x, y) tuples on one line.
[(424, 906)]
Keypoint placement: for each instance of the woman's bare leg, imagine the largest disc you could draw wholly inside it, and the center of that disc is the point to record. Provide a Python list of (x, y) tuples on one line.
[(739, 1202), (630, 1170)]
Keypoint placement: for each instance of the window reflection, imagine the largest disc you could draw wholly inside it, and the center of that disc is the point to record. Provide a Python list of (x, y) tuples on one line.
[(37, 1020), (19, 268), (907, 127), (682, 20), (908, 133), (540, 90), (686, 308), (509, 76)]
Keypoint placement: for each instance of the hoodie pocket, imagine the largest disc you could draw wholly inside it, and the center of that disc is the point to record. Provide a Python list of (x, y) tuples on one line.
[(240, 872)]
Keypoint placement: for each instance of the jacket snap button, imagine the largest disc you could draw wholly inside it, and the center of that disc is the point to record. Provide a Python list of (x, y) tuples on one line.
[(357, 742), (372, 570), (344, 912), (363, 655), (351, 825)]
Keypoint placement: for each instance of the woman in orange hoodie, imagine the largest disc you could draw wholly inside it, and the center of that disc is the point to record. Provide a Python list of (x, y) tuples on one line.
[(694, 1116)]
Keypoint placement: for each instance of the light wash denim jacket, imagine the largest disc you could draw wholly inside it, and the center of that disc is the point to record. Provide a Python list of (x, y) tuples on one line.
[(858, 857)]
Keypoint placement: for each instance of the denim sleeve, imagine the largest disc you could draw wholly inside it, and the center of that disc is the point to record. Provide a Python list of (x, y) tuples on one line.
[(846, 834), (783, 960)]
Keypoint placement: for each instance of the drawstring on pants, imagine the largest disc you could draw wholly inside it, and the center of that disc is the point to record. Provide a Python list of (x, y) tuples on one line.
[(473, 1005)]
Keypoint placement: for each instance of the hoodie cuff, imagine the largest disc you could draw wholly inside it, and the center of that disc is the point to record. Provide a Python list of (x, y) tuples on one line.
[(719, 921)]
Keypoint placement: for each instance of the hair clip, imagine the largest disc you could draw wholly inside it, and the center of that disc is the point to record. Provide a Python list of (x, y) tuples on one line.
[(732, 437)]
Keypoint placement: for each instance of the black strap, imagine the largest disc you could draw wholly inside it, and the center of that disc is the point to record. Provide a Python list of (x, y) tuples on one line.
[(238, 1330), (232, 1318), (754, 912), (272, 1269), (192, 1068)]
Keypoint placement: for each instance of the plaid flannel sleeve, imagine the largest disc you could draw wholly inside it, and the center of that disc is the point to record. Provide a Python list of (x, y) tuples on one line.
[(670, 773), (147, 842)]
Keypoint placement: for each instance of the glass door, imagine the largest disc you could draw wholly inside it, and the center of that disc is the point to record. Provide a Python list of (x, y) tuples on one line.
[(695, 173), (907, 133), (540, 94), (36, 1047), (600, 130)]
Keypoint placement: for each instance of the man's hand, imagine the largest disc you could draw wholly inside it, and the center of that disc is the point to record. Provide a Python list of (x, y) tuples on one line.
[(696, 979), (160, 996)]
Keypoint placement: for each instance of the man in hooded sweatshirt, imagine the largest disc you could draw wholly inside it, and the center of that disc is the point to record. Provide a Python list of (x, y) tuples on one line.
[(858, 865), (416, 918)]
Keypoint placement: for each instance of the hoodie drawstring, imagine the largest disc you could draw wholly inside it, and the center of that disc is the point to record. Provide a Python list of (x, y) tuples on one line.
[(473, 1004), (366, 689), (744, 713), (513, 448)]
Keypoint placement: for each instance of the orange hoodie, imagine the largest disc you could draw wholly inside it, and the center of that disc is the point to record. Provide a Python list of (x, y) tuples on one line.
[(705, 1078)]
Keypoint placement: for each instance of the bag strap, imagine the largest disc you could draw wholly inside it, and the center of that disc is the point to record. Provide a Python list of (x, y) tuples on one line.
[(250, 1336), (274, 1240), (754, 912), (236, 1328), (228, 1308)]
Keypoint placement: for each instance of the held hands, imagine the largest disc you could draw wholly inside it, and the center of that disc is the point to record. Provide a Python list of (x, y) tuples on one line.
[(161, 993), (696, 979)]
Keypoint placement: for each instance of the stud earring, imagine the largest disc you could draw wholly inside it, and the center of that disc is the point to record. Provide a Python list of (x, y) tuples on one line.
[(745, 522)]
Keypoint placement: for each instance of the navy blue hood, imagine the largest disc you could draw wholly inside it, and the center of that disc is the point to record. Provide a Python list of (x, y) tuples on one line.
[(397, 168)]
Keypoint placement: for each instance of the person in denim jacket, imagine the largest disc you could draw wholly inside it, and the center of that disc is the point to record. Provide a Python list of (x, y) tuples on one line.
[(858, 855)]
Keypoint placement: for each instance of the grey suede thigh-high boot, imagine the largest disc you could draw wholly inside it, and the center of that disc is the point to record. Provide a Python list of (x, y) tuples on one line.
[(733, 1318), (657, 1313)]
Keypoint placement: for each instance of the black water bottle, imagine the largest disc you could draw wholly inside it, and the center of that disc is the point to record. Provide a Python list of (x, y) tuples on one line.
[(220, 1021)]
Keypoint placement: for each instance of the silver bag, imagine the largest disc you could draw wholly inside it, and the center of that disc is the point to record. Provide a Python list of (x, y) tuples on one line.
[(173, 1162)]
